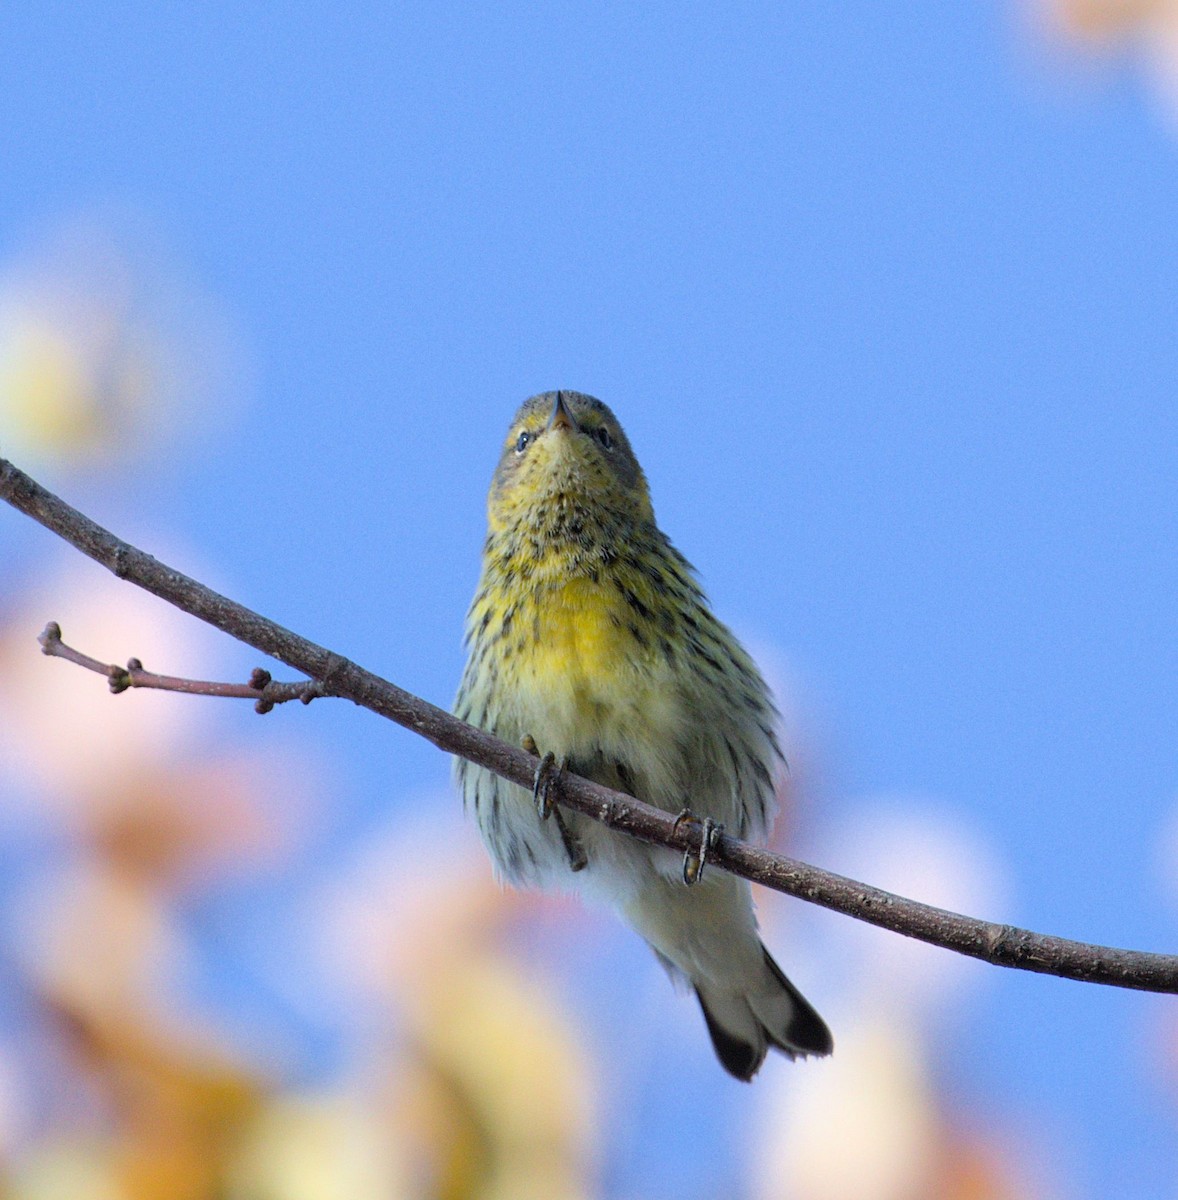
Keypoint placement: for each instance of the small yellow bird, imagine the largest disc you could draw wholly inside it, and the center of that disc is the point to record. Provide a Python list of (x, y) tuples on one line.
[(590, 639)]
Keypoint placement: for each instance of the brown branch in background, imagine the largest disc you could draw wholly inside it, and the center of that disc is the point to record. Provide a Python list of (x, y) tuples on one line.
[(1003, 945)]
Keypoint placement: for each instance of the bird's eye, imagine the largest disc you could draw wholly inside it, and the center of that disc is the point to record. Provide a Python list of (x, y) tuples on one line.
[(522, 442), (603, 436)]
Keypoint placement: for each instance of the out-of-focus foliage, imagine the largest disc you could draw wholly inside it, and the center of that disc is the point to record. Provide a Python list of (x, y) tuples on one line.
[(1141, 32), (107, 350), (883, 1121)]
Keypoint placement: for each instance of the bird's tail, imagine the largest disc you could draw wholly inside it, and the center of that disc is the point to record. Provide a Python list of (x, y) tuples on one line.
[(707, 935), (746, 1019)]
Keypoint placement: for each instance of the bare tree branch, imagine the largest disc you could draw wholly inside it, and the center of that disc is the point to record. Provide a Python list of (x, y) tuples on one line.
[(261, 689), (1003, 945)]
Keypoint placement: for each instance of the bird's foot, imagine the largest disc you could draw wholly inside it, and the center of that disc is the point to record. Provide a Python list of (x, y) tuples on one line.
[(578, 859), (547, 773), (695, 857)]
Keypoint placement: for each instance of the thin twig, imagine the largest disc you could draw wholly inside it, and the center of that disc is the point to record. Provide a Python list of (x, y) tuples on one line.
[(1003, 945), (264, 691)]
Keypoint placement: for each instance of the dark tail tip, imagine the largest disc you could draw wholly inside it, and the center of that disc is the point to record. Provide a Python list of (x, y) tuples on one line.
[(807, 1032), (794, 1029), (737, 1057)]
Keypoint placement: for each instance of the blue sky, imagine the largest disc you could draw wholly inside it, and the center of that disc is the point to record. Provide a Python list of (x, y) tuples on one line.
[(888, 316)]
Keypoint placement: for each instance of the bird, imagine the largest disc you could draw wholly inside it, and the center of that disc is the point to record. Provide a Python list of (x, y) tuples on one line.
[(590, 641)]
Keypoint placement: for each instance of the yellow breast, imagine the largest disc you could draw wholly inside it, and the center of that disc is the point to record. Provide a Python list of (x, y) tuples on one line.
[(582, 679), (581, 639)]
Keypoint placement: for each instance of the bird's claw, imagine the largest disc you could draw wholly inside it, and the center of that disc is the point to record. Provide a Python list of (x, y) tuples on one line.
[(578, 860), (695, 858), (547, 773)]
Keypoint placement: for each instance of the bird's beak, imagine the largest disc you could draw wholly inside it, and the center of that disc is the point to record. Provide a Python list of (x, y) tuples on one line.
[(561, 417)]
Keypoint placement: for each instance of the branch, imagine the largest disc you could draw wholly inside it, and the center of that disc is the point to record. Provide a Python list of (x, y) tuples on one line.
[(261, 689), (1003, 945)]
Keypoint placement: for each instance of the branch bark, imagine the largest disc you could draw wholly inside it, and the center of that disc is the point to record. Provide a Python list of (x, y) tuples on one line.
[(1002, 945)]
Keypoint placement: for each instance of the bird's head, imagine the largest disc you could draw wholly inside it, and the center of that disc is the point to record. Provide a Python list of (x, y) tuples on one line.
[(565, 447)]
